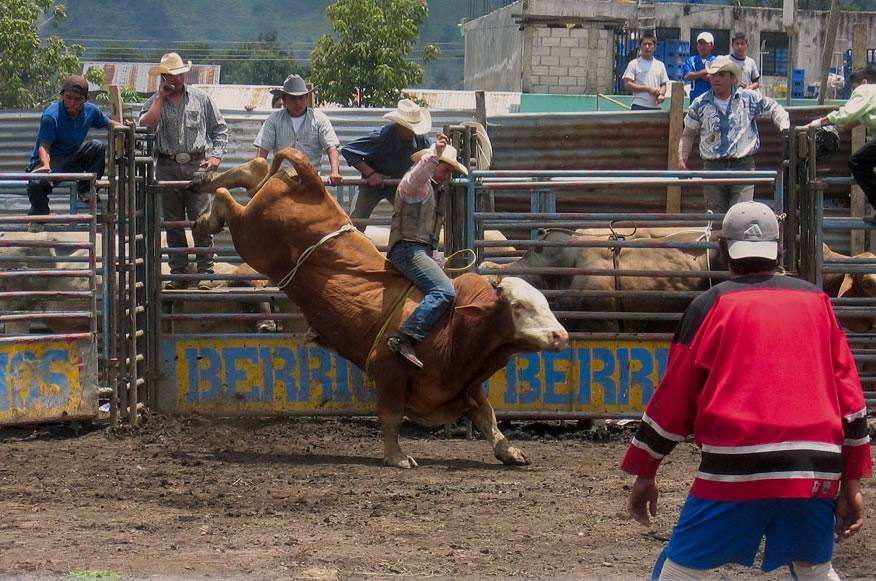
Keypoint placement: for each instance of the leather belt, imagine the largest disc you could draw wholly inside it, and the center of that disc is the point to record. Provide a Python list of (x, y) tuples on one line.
[(183, 157)]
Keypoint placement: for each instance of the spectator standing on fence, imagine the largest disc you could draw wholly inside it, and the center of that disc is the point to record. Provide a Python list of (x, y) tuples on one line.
[(190, 136), (299, 126), (724, 118), (695, 65), (385, 153), (750, 78), (645, 77), (61, 146), (761, 375), (860, 108)]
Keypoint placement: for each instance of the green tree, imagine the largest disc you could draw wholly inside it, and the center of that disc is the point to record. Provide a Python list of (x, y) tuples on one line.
[(264, 62), (30, 67), (369, 63)]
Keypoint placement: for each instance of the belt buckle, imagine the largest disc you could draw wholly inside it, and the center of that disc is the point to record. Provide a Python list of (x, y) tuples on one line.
[(182, 157)]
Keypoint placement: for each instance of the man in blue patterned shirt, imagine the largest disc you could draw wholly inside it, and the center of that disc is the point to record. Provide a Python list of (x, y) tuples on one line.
[(724, 117)]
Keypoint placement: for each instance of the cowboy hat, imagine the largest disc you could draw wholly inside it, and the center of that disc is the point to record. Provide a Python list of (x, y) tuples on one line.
[(723, 63), (293, 85), (171, 64), (448, 156), (409, 114)]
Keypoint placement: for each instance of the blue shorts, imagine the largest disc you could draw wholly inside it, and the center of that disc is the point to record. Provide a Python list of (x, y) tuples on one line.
[(712, 533)]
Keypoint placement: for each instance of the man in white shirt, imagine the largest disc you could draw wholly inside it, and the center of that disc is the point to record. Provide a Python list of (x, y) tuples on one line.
[(646, 78), (299, 126), (750, 75)]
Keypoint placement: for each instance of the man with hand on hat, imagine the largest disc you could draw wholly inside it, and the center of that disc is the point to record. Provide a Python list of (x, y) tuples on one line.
[(724, 117), (761, 375), (694, 70), (190, 136), (417, 219), (299, 126), (61, 146), (385, 153), (860, 108)]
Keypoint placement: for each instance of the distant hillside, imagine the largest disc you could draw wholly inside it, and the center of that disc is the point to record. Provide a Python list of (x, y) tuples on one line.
[(161, 25)]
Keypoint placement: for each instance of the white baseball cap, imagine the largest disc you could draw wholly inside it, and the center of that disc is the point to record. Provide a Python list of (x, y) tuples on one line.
[(707, 37), (751, 231)]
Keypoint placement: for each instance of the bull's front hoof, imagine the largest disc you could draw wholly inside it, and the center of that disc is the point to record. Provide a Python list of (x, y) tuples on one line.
[(405, 462), (509, 455), (201, 181), (202, 226)]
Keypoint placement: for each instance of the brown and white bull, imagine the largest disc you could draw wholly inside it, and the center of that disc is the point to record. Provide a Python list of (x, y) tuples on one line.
[(295, 233)]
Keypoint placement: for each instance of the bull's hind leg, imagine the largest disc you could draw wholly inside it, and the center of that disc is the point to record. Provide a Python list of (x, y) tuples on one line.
[(390, 411), (250, 175), (484, 419), (213, 222)]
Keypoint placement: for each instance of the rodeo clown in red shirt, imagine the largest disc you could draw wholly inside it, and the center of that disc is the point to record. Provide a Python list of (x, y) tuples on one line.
[(761, 375)]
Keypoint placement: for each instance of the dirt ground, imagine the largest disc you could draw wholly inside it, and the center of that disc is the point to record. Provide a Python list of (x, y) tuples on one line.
[(196, 497)]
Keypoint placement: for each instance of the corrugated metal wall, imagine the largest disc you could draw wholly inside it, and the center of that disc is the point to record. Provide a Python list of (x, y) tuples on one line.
[(18, 129), (634, 141), (600, 140)]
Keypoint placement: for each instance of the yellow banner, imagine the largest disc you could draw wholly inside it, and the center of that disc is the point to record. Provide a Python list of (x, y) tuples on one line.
[(40, 381), (272, 375)]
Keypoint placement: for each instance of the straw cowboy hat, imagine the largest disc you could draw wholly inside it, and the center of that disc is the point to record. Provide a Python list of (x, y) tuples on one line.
[(723, 63), (294, 85), (171, 64), (447, 156), (409, 114)]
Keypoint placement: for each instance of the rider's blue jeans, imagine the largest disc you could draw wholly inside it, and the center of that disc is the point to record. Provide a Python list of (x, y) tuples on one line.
[(414, 260)]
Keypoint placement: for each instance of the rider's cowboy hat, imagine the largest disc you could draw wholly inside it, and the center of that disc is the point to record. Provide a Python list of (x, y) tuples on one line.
[(171, 64), (294, 85), (448, 156), (409, 114)]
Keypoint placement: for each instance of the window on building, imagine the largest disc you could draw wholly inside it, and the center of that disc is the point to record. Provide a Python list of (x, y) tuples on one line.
[(722, 40), (773, 53), (668, 34)]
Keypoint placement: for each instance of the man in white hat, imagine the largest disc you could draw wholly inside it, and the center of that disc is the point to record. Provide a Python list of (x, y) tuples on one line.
[(417, 219), (385, 153), (724, 117), (694, 70), (299, 126), (190, 136), (761, 375)]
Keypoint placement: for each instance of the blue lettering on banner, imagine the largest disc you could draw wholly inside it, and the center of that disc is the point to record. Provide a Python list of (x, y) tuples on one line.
[(46, 389), (604, 377)]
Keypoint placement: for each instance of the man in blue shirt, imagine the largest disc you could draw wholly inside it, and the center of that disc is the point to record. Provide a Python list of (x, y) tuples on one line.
[(385, 153), (61, 146), (695, 65)]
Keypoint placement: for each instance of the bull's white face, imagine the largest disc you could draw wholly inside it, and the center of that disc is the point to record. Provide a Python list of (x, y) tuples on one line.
[(534, 323)]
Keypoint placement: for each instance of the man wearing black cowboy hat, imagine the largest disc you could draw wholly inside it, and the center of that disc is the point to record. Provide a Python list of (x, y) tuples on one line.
[(190, 136), (299, 126)]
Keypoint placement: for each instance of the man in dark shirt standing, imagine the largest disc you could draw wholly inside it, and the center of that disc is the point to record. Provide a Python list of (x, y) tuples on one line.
[(385, 153)]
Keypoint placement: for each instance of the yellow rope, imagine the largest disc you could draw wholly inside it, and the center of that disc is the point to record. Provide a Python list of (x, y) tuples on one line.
[(461, 268), (395, 307)]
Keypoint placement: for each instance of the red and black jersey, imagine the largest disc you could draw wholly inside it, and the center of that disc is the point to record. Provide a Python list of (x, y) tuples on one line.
[(761, 374)]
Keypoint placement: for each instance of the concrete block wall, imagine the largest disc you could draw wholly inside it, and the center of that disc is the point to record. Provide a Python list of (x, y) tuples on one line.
[(568, 60)]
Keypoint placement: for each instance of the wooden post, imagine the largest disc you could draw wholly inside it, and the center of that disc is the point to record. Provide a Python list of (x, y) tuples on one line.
[(858, 202), (117, 113), (676, 124), (829, 41), (481, 108)]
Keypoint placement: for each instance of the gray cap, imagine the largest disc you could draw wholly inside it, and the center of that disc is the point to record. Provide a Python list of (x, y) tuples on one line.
[(751, 231)]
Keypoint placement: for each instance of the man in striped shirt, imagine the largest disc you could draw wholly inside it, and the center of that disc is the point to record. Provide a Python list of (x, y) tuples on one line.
[(299, 126), (761, 375)]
